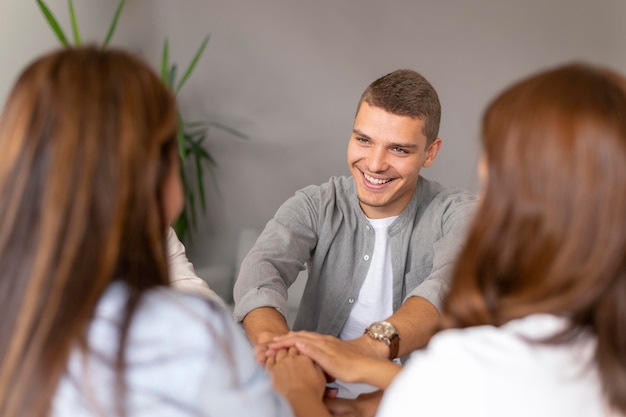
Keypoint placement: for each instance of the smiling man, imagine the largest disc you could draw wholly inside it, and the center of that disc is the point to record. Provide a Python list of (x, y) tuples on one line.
[(379, 245)]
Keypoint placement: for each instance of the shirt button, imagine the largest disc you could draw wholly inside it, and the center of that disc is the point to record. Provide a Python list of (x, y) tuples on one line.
[(367, 227), (351, 300), (366, 257)]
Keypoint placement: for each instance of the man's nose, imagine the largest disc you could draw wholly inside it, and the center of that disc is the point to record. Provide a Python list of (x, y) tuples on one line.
[(377, 159)]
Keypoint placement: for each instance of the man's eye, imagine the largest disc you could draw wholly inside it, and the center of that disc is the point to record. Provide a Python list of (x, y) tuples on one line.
[(399, 150), (362, 140)]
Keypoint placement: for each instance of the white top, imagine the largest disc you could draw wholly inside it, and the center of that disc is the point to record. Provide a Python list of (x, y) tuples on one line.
[(186, 357), (375, 296), (375, 301), (486, 371), (183, 276)]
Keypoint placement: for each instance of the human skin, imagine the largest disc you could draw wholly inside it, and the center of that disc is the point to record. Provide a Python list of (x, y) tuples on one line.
[(300, 381), (339, 359), (173, 190), (385, 155)]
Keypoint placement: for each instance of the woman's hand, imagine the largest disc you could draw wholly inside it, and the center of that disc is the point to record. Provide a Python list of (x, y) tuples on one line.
[(299, 380)]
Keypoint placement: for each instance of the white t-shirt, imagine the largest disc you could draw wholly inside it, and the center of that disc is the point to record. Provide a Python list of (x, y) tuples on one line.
[(375, 301), (486, 371), (186, 357)]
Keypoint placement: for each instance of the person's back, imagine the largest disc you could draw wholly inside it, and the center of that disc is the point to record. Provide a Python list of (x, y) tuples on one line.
[(89, 184), (185, 356), (534, 320), (486, 371)]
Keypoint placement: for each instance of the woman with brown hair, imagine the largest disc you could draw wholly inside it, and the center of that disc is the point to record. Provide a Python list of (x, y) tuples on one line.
[(88, 185), (535, 320)]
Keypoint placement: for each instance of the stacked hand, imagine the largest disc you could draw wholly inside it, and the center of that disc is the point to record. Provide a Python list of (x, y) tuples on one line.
[(347, 360), (295, 375), (298, 361)]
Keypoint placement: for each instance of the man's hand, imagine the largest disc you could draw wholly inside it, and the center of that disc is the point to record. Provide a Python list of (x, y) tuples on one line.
[(261, 352), (262, 325)]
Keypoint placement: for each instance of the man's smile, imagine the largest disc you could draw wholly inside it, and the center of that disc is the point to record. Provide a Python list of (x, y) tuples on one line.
[(375, 181)]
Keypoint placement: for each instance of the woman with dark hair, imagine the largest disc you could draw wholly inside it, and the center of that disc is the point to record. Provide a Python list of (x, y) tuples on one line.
[(88, 185), (535, 320)]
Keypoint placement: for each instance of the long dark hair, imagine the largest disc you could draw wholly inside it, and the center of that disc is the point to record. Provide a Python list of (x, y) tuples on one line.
[(86, 139), (550, 234)]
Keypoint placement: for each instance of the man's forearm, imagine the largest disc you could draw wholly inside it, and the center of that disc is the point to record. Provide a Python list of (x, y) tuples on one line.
[(416, 321), (262, 324)]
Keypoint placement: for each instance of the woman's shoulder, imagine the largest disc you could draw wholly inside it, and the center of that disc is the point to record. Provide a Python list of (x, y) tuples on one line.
[(483, 368), (182, 352), (520, 340), (167, 315)]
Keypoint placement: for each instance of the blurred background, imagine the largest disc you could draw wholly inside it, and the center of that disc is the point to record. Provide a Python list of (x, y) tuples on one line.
[(288, 74)]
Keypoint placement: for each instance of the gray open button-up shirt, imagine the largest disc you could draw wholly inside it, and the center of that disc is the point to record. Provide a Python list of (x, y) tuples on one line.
[(324, 228)]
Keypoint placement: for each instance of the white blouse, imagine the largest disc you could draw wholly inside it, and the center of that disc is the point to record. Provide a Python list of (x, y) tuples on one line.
[(486, 371), (186, 357)]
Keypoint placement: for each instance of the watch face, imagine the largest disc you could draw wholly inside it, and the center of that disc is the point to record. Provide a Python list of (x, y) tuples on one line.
[(382, 328)]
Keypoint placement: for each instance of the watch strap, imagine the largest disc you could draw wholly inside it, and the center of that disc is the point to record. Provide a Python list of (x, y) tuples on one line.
[(394, 346), (391, 337)]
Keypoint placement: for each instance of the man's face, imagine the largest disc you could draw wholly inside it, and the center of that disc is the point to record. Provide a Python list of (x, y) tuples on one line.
[(385, 155)]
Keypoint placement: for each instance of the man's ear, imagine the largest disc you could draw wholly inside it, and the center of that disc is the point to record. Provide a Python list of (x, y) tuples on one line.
[(431, 152)]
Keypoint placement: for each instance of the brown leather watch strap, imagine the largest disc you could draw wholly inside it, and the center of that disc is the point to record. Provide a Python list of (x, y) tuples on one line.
[(394, 346)]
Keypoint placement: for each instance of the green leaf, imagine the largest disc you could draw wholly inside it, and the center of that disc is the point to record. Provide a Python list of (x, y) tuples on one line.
[(191, 205), (200, 182), (197, 149), (186, 220), (172, 76), (180, 137), (181, 227), (120, 6), (198, 124), (216, 185), (230, 130), (195, 159), (193, 63), (165, 63), (74, 21), (54, 24)]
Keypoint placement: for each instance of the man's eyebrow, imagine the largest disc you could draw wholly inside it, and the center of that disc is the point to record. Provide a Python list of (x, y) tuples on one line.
[(360, 134), (391, 145), (404, 145)]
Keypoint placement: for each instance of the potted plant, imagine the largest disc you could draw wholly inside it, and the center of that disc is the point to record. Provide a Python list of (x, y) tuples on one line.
[(196, 160)]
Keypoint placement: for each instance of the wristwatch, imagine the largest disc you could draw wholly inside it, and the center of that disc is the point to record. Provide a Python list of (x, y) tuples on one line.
[(387, 332)]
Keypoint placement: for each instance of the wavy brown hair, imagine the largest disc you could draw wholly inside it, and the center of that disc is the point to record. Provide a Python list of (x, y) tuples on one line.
[(550, 234), (86, 138)]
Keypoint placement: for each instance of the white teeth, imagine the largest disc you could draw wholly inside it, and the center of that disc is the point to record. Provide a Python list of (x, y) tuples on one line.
[(374, 180)]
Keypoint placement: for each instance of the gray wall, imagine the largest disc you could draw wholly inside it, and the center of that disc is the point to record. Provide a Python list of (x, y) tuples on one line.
[(288, 73)]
